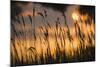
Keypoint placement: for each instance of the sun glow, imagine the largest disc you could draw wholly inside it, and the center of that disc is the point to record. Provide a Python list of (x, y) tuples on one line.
[(75, 16)]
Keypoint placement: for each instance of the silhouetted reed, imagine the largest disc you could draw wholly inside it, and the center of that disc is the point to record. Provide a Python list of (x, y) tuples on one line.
[(42, 48)]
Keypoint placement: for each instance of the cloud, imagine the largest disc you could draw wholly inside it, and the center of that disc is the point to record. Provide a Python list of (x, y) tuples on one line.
[(54, 6), (90, 10), (18, 8)]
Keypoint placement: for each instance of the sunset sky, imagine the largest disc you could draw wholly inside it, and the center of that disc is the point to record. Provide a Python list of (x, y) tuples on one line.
[(53, 11)]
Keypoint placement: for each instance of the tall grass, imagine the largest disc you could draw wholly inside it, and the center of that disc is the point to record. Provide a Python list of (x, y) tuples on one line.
[(69, 44)]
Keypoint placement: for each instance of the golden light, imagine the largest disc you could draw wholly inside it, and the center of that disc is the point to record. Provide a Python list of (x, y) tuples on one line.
[(26, 13), (75, 16), (84, 17)]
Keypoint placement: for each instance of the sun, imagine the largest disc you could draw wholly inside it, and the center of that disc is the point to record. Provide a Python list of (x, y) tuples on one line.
[(75, 16)]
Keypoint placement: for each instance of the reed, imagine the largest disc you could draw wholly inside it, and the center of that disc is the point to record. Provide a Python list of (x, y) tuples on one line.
[(31, 48)]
